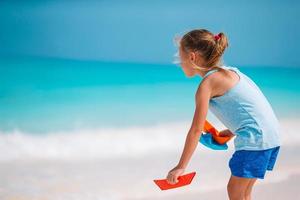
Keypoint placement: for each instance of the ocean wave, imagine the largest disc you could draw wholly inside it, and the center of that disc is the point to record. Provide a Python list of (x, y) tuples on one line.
[(92, 144), (110, 142)]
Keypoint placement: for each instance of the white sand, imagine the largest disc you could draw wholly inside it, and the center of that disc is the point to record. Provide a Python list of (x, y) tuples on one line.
[(132, 178)]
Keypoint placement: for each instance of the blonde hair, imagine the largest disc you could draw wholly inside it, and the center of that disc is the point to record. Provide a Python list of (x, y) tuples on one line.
[(209, 46)]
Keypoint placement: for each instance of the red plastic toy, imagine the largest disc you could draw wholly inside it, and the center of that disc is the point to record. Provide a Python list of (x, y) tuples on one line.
[(215, 133)]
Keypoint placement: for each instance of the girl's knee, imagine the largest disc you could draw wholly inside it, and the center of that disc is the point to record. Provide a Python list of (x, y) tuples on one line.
[(236, 187), (247, 193), (234, 192), (247, 197)]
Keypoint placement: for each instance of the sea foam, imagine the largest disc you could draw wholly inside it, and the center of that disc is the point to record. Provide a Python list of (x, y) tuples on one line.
[(111, 142)]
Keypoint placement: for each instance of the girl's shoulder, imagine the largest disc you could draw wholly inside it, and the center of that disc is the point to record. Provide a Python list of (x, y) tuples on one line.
[(210, 82), (220, 81), (214, 77)]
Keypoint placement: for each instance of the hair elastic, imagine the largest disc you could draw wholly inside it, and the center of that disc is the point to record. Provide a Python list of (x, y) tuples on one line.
[(217, 36)]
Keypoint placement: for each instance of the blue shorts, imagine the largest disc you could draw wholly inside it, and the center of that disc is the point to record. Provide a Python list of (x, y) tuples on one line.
[(253, 163)]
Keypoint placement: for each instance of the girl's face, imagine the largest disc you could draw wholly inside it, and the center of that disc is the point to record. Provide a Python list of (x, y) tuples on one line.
[(186, 61)]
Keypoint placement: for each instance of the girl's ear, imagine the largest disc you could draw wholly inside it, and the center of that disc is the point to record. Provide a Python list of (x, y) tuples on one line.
[(192, 56)]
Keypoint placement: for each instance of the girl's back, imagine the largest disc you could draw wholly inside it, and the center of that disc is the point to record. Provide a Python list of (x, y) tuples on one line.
[(245, 111)]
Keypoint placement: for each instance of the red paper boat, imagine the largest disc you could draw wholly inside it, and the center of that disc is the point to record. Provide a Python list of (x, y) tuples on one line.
[(182, 181)]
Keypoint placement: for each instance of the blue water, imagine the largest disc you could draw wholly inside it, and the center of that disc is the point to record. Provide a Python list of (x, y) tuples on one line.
[(49, 95)]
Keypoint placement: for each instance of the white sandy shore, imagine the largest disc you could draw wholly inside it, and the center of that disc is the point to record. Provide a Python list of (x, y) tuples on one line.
[(132, 178)]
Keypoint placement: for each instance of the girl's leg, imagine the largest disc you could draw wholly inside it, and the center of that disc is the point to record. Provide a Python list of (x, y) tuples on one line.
[(249, 189), (237, 187)]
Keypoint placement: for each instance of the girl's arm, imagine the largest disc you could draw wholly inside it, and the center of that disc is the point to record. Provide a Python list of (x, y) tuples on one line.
[(202, 97)]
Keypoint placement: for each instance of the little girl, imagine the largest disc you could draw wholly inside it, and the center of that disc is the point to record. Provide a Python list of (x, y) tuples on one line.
[(238, 103)]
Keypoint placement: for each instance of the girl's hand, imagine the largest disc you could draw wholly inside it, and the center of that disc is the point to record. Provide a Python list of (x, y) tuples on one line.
[(174, 174), (226, 133)]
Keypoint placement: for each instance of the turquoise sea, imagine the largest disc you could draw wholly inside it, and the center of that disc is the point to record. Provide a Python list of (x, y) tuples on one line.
[(44, 95)]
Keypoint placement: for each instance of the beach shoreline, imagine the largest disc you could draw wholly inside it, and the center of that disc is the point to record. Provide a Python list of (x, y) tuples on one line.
[(132, 178)]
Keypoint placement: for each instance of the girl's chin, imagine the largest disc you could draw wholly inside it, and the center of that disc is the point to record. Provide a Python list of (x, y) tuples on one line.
[(190, 75)]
